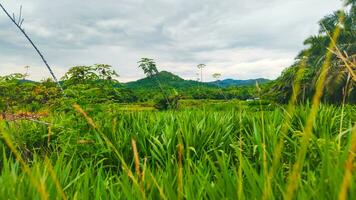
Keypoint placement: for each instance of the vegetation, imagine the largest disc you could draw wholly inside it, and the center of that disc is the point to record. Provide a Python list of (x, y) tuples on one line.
[(231, 82), (163, 137), (341, 69), (97, 84), (193, 154)]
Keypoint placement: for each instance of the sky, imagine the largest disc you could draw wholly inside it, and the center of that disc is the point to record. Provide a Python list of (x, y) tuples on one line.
[(241, 39)]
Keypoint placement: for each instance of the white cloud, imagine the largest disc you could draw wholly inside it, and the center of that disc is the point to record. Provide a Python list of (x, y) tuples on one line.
[(239, 38)]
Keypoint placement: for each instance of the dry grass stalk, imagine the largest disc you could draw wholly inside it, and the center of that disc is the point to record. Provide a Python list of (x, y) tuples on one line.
[(348, 167), (294, 176), (136, 158), (180, 170), (110, 144)]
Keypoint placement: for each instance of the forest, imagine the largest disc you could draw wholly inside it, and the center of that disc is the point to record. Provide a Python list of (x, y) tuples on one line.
[(91, 136)]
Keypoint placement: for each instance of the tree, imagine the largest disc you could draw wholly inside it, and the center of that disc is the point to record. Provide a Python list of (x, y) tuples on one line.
[(10, 90), (350, 2), (216, 76), (148, 66), (340, 79), (105, 72), (92, 84), (150, 69), (80, 75), (89, 74), (198, 76), (12, 77), (201, 67), (27, 73)]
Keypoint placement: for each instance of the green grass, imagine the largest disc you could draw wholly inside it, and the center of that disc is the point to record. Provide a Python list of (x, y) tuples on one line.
[(226, 154)]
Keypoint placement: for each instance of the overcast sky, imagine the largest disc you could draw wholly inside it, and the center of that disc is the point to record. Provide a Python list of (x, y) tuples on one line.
[(240, 39)]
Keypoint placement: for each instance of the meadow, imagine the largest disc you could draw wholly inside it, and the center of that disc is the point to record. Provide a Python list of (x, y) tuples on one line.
[(217, 151)]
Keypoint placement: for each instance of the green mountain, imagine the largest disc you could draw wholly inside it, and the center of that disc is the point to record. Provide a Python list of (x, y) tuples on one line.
[(170, 80), (166, 80), (233, 82)]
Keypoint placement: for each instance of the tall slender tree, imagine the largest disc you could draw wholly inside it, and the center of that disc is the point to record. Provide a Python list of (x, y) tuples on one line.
[(216, 76), (201, 67), (149, 67)]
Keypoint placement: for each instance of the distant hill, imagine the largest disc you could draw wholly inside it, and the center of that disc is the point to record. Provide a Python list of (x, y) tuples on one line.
[(27, 81), (166, 79), (233, 82), (170, 80)]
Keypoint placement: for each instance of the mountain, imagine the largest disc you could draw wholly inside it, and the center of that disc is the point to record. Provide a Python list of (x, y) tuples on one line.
[(26, 81), (169, 80), (233, 82), (165, 79)]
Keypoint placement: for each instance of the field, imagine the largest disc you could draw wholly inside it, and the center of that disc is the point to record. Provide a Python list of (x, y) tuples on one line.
[(221, 150), (88, 135)]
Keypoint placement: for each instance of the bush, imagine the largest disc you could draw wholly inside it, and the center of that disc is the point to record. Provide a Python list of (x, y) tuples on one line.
[(168, 103)]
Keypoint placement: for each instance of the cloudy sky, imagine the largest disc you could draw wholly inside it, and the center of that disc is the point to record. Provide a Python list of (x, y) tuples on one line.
[(240, 39)]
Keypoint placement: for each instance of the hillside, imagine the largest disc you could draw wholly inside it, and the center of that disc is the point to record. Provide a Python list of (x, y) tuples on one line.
[(232, 82), (166, 79), (170, 80)]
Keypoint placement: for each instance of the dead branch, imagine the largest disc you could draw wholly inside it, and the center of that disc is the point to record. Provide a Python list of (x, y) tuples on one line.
[(18, 24)]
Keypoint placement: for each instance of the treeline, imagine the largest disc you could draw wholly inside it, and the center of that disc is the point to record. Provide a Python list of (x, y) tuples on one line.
[(81, 84), (98, 84)]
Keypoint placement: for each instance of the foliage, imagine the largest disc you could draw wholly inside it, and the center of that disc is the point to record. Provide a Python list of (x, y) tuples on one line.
[(171, 102), (339, 83), (222, 154), (231, 82), (150, 69), (99, 73), (148, 66), (17, 93), (95, 84), (108, 148)]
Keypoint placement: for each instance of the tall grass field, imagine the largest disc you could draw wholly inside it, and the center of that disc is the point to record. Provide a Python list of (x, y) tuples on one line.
[(208, 153)]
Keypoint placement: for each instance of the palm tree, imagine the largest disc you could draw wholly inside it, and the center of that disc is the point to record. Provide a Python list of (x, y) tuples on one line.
[(350, 2), (338, 81), (341, 77)]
